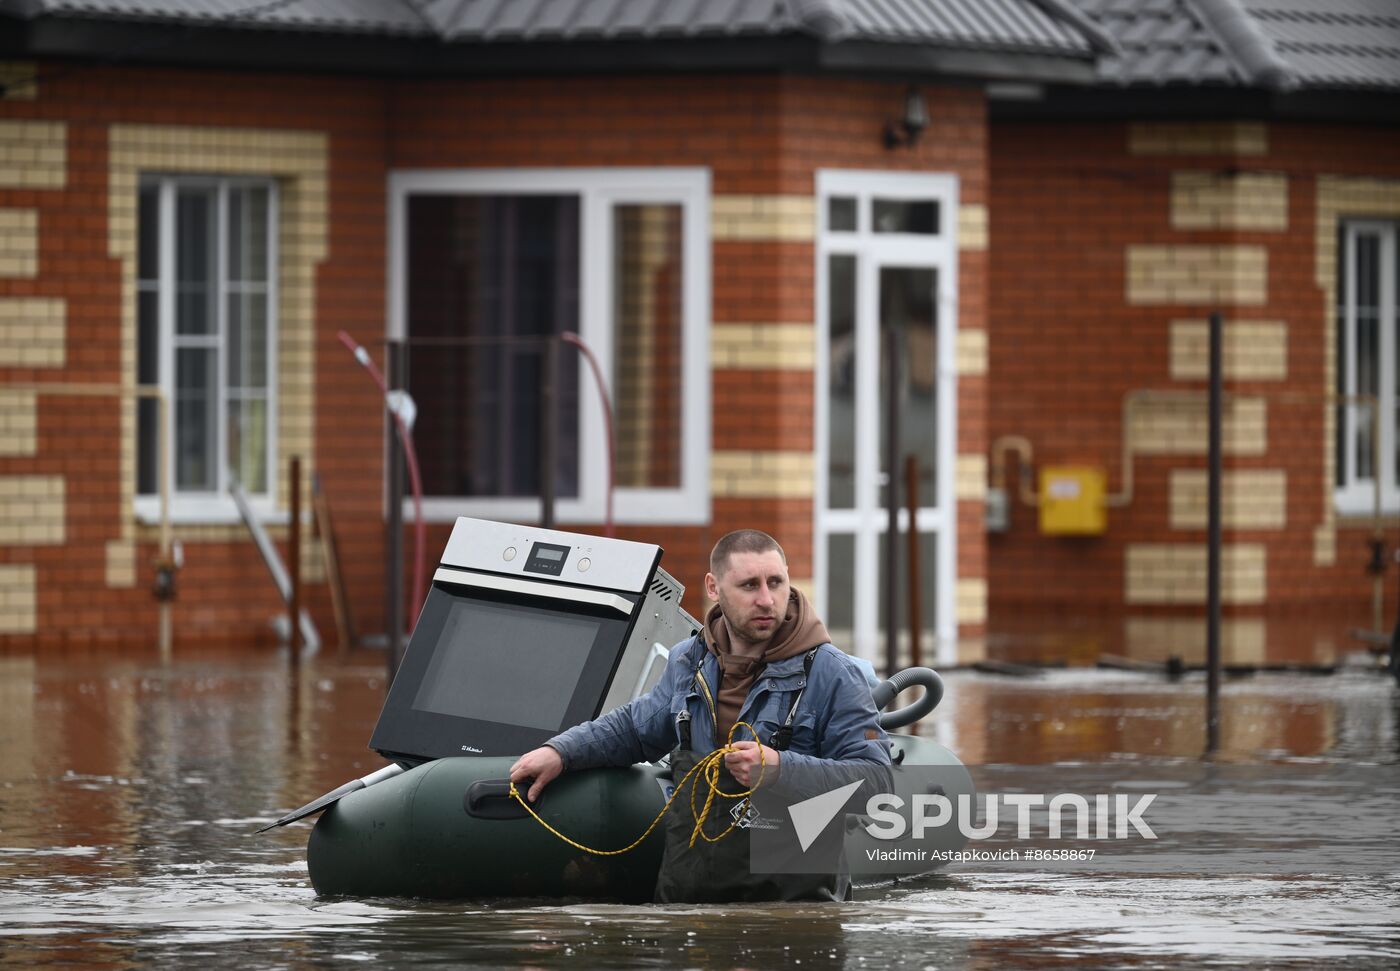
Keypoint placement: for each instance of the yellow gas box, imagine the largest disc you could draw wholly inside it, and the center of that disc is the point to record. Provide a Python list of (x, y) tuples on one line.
[(1071, 500)]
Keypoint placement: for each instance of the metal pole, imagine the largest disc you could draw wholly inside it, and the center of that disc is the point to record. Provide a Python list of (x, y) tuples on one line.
[(892, 503), (393, 529), (548, 444), (911, 506), (1213, 541), (294, 562)]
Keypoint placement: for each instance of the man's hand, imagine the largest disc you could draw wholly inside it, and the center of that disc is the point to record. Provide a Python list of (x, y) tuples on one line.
[(742, 763), (542, 765)]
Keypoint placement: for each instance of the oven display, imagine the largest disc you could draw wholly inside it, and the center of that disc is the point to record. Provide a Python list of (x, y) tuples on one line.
[(548, 559)]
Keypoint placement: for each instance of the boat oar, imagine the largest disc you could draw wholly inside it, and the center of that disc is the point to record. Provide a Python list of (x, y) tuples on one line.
[(316, 805)]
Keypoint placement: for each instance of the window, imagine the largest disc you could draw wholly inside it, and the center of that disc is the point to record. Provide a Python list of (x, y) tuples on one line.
[(1368, 359), (489, 268), (206, 332)]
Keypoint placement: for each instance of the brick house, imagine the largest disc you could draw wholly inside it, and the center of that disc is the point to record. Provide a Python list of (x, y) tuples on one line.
[(1239, 156), (724, 200)]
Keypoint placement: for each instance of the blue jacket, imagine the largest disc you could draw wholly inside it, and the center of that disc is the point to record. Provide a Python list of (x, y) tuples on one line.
[(835, 724)]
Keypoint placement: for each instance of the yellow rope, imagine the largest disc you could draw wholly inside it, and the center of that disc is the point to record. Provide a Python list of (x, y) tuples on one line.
[(710, 765)]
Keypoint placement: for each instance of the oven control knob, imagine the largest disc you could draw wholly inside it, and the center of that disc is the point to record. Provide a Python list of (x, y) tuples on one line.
[(509, 554), (584, 564)]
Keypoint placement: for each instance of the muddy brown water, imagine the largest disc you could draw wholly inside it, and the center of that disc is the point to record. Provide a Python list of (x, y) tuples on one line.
[(129, 792)]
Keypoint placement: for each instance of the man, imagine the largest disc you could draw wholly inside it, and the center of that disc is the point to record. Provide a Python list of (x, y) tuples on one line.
[(763, 659)]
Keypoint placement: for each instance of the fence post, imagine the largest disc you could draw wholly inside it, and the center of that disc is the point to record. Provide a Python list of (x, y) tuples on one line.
[(393, 527), (1213, 540)]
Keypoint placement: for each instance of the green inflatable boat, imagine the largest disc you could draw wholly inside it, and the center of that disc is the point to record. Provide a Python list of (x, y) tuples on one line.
[(525, 632), (449, 829)]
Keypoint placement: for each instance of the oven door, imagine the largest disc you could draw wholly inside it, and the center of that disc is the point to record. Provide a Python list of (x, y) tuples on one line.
[(497, 665)]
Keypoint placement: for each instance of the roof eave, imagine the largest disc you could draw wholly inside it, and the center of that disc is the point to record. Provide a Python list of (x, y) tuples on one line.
[(132, 42)]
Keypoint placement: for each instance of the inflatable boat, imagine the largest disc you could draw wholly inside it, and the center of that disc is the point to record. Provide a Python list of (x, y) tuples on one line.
[(525, 632)]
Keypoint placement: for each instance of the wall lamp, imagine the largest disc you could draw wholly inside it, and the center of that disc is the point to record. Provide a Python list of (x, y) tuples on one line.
[(911, 125)]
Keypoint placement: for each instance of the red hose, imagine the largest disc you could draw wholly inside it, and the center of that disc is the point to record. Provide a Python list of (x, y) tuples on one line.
[(569, 337), (410, 458)]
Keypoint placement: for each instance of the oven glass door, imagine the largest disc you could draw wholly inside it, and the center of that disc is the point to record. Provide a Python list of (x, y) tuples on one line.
[(499, 671)]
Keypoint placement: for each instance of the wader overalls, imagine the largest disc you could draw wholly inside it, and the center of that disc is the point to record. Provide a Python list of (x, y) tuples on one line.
[(719, 872)]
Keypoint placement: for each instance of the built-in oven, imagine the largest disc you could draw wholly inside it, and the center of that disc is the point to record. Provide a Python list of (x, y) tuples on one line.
[(526, 632)]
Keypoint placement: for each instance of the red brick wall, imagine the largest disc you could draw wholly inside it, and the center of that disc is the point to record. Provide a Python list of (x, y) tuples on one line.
[(1065, 347), (762, 135)]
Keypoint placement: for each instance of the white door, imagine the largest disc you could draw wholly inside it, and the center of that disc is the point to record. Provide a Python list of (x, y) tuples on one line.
[(886, 272)]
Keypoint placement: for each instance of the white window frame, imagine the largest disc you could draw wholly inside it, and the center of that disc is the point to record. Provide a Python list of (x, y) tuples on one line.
[(598, 190), (217, 506), (1357, 496)]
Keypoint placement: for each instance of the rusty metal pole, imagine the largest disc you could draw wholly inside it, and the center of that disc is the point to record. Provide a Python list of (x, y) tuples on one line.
[(1213, 520), (294, 558), (911, 506), (892, 504)]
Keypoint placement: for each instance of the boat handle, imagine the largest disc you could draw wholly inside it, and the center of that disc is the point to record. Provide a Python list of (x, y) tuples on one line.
[(490, 799)]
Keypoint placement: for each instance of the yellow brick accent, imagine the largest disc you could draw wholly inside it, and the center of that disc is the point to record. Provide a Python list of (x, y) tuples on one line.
[(1179, 427), (1338, 198), (786, 347), (754, 475), (1164, 573), (1242, 639), (20, 80), (973, 231), (1249, 201), (784, 218), (313, 560), (1249, 499), (971, 596), (970, 481), (18, 422), (32, 331), (1221, 275), (121, 563), (19, 242), (972, 352), (1199, 138), (33, 154), (1253, 350), (31, 510), (1325, 545), (18, 599), (299, 162)]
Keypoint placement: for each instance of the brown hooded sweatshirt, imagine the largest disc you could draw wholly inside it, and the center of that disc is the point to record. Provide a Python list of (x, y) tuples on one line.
[(800, 631)]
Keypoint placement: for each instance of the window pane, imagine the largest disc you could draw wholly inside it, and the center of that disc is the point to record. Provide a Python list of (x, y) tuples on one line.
[(503, 271), (195, 416), (841, 214), (905, 216), (148, 234), (841, 589), (147, 372), (247, 340), (647, 342), (907, 317), (195, 253), (247, 234), (246, 432), (1343, 342), (841, 382), (1367, 330), (927, 552)]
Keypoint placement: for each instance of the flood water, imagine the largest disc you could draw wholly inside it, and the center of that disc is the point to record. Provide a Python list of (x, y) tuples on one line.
[(129, 792)]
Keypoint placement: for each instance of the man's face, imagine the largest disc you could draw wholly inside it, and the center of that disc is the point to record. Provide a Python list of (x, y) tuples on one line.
[(752, 594)]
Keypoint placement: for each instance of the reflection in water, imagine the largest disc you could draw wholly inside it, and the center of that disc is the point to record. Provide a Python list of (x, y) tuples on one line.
[(129, 792)]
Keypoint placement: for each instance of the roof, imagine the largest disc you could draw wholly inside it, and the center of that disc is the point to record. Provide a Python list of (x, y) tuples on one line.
[(1270, 44), (1007, 26)]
